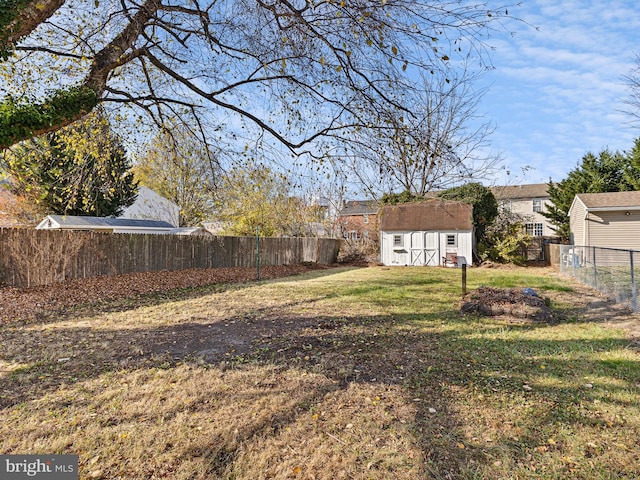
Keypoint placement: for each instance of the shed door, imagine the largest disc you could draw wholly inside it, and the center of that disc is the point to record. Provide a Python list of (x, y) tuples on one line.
[(431, 249), (417, 248)]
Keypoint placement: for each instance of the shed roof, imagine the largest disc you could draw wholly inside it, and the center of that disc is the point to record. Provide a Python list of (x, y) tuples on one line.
[(434, 215), (610, 200), (86, 222), (531, 190)]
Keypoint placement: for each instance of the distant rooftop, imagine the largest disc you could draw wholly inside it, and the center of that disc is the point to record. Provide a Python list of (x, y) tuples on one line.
[(531, 190), (70, 221), (360, 207)]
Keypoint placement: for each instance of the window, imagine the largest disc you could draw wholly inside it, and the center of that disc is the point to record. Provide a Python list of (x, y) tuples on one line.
[(535, 229), (452, 240), (397, 240), (365, 218), (537, 205)]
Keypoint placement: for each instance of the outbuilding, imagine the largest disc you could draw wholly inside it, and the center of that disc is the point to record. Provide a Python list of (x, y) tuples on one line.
[(609, 220), (105, 224), (433, 233)]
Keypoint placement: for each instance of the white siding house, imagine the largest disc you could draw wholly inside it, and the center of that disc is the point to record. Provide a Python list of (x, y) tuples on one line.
[(151, 206), (528, 200), (433, 233), (609, 220)]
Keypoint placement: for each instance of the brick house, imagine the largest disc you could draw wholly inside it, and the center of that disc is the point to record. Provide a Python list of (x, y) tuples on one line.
[(358, 220)]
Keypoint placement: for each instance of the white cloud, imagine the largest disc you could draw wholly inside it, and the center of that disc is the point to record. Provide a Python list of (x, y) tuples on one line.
[(557, 92)]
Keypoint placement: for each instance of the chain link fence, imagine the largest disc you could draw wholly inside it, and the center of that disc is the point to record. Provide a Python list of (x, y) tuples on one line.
[(612, 271)]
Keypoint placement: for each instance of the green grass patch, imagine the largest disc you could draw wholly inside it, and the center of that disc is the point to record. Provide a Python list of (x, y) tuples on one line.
[(348, 373)]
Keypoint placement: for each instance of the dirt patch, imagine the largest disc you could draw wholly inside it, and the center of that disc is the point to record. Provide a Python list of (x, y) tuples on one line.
[(589, 305), (521, 304)]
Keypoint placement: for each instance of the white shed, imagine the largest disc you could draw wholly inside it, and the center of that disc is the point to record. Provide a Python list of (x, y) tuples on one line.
[(433, 233), (105, 224)]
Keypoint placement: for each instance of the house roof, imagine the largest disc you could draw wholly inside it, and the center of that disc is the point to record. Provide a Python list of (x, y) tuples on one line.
[(433, 215), (610, 200), (360, 207), (191, 231), (531, 190), (85, 222)]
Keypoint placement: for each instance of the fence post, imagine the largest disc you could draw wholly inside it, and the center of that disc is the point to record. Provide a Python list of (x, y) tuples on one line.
[(634, 295), (464, 279), (258, 250), (595, 269)]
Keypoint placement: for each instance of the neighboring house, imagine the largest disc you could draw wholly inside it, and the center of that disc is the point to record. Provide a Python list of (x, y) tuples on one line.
[(191, 231), (104, 224), (358, 220), (433, 233), (151, 206), (606, 220), (529, 201)]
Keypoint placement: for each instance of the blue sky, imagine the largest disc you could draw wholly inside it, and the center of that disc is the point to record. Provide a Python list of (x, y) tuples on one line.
[(557, 90)]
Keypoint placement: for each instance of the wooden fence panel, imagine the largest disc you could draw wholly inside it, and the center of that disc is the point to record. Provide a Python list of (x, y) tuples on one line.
[(41, 257)]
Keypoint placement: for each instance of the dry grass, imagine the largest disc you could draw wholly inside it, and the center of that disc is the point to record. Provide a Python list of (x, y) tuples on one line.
[(346, 373)]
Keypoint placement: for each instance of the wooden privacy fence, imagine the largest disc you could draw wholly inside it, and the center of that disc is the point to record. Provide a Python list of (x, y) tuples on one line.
[(41, 257)]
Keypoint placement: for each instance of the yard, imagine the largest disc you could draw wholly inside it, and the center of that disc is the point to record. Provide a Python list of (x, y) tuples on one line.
[(359, 373)]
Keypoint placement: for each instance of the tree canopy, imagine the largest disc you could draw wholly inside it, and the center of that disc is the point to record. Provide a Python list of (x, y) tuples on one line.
[(81, 169), (252, 199), (606, 172), (175, 166), (441, 144), (485, 206), (268, 65)]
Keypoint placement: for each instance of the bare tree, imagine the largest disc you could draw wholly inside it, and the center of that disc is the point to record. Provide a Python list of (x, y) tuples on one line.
[(443, 142), (297, 70), (633, 100)]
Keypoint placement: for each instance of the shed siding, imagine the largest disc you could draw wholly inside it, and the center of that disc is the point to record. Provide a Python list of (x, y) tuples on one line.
[(614, 229), (425, 248), (576, 224)]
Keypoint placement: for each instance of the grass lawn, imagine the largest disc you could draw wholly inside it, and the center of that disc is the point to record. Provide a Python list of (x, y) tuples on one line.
[(344, 373)]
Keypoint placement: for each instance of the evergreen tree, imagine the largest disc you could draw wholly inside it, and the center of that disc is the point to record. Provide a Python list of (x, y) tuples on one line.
[(81, 169), (607, 172), (631, 173), (485, 206)]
